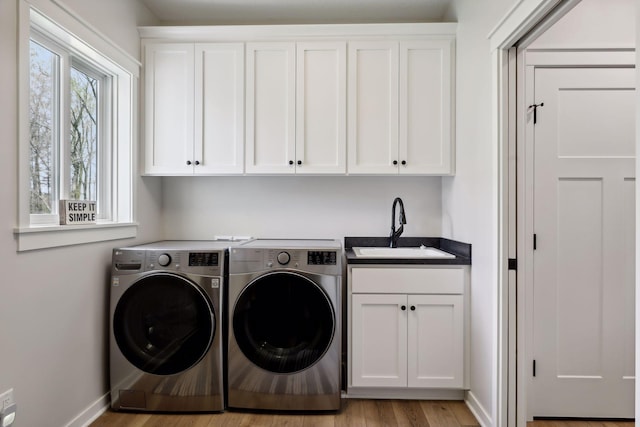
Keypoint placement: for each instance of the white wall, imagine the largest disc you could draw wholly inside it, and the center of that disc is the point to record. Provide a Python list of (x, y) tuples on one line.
[(470, 206), (298, 206), (53, 303), (592, 24)]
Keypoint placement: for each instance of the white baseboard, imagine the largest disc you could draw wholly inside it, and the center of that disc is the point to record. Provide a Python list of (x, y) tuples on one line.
[(91, 413), (478, 410), (403, 393)]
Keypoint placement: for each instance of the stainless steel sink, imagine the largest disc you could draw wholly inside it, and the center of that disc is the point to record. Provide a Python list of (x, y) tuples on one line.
[(412, 252)]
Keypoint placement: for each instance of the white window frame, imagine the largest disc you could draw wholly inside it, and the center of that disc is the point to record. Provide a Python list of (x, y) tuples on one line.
[(116, 155), (105, 124), (62, 147)]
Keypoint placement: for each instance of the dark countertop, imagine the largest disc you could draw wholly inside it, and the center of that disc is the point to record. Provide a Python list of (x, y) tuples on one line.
[(461, 250)]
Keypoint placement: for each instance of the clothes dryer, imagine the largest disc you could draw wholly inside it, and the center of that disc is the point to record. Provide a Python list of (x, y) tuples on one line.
[(284, 350), (166, 335)]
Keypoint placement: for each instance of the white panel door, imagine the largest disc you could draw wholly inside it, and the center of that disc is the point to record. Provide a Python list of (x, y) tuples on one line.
[(425, 107), (435, 340), (584, 261), (270, 115), (373, 108), (219, 108), (378, 340), (321, 101), (169, 103)]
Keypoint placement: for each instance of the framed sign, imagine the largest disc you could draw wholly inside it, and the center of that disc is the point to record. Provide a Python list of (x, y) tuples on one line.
[(76, 212)]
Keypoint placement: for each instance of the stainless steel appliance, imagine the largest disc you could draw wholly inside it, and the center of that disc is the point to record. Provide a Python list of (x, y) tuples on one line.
[(284, 314), (166, 337)]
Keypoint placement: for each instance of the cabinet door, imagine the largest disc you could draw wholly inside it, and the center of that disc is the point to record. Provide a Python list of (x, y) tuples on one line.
[(425, 107), (270, 116), (378, 340), (373, 108), (435, 341), (169, 101), (321, 76), (219, 108)]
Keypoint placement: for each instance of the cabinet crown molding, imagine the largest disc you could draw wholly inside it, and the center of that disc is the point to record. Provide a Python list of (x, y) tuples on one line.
[(299, 32)]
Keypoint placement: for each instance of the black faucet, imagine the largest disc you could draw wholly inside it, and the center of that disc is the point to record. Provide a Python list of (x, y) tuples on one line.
[(395, 234)]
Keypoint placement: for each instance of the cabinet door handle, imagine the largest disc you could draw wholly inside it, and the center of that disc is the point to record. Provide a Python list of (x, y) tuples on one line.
[(290, 162), (189, 162), (395, 162), (404, 162), (197, 162), (413, 308), (403, 308), (299, 162)]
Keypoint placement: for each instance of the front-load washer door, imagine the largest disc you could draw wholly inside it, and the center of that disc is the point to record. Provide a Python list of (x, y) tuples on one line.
[(283, 322), (164, 324)]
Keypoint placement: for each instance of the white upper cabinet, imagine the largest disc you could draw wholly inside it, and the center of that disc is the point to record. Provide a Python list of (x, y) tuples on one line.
[(169, 103), (400, 107), (219, 108), (270, 118), (426, 97), (296, 114), (324, 99), (373, 107), (194, 108), (321, 104)]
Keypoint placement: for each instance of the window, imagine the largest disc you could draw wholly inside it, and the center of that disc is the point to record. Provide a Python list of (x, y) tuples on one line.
[(76, 138), (67, 131), (42, 126)]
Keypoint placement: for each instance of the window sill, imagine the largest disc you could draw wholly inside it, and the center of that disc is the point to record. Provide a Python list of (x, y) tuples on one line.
[(51, 236)]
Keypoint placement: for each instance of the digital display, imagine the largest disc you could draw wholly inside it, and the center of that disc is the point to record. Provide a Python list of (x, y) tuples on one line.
[(203, 259), (321, 257)]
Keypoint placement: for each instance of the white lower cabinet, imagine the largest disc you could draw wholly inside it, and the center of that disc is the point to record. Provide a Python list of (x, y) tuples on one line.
[(379, 336), (407, 328), (435, 341)]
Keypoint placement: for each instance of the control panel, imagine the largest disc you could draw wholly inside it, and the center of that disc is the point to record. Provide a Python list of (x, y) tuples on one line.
[(298, 258), (203, 259), (193, 262), (322, 257), (258, 259)]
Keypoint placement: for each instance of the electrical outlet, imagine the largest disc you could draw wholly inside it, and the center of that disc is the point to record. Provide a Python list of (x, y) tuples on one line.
[(6, 399)]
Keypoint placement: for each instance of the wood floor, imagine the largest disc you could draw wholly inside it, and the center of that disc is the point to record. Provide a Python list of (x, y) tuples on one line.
[(354, 413)]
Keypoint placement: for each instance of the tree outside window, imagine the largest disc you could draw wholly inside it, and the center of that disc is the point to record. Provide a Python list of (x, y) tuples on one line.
[(43, 129), (84, 136), (54, 157)]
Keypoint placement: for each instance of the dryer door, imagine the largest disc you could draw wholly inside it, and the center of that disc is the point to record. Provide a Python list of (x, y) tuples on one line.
[(283, 322), (164, 324)]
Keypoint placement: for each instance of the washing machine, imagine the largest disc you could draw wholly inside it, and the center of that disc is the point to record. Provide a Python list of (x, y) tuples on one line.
[(166, 335), (284, 344)]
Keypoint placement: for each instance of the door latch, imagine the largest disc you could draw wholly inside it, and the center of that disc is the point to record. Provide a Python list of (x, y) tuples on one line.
[(535, 111)]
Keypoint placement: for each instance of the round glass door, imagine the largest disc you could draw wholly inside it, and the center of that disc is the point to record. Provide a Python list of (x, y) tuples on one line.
[(283, 322), (164, 324)]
